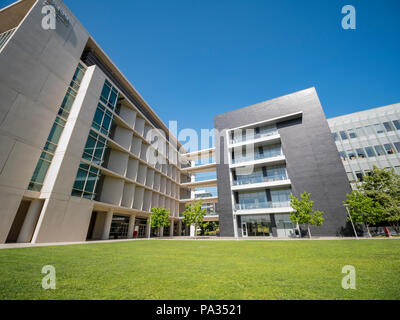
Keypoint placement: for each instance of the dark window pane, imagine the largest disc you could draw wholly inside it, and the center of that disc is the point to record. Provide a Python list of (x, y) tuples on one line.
[(40, 171), (335, 136), (98, 116), (389, 148), (397, 145), (106, 122), (388, 126), (361, 153), (105, 92), (379, 150), (370, 152), (397, 124), (343, 135), (90, 143)]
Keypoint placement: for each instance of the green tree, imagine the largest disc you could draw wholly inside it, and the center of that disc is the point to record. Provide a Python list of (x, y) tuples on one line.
[(363, 209), (159, 218), (383, 186), (304, 212), (194, 214)]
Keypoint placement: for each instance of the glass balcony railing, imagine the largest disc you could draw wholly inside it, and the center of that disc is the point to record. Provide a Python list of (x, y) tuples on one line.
[(253, 137), (260, 179), (262, 205), (257, 156)]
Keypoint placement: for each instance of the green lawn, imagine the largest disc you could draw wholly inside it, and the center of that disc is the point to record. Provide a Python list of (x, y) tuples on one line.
[(204, 270)]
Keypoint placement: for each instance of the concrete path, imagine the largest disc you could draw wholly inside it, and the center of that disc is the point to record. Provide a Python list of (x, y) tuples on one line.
[(29, 245)]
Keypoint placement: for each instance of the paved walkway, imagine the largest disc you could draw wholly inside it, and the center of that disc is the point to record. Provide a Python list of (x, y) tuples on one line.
[(28, 245)]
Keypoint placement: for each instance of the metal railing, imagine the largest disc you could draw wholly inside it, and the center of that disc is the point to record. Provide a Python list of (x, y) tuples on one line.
[(262, 205), (253, 137), (257, 156), (260, 179)]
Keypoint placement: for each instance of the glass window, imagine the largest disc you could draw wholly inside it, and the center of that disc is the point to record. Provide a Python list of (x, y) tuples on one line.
[(335, 136), (352, 133), (389, 148), (370, 152), (379, 150), (359, 176), (397, 124), (397, 145), (86, 181), (343, 134), (343, 155), (388, 126), (351, 154), (361, 153)]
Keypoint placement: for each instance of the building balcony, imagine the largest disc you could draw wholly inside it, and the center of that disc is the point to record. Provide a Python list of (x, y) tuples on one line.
[(257, 136), (262, 205), (262, 182), (256, 156)]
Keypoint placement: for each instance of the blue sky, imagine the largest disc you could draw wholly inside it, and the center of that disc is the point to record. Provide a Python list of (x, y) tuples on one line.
[(192, 60)]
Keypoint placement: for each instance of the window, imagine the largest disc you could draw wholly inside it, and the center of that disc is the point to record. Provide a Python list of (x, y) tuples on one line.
[(370, 152), (361, 153), (389, 148), (388, 126), (379, 150), (397, 145), (102, 120), (86, 181), (359, 176), (351, 155), (343, 155), (343, 134), (335, 136), (397, 124), (95, 147), (109, 95), (352, 133)]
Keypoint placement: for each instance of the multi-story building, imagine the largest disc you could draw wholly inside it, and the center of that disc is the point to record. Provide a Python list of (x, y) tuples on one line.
[(368, 138), (84, 157), (270, 150)]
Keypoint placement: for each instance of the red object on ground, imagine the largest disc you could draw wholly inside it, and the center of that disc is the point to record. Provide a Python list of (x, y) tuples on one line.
[(387, 232), (135, 233)]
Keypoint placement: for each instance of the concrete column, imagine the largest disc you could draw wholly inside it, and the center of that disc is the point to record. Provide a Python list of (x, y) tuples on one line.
[(148, 229), (192, 230), (32, 216), (179, 228), (171, 228), (235, 226), (161, 232), (131, 226), (107, 226)]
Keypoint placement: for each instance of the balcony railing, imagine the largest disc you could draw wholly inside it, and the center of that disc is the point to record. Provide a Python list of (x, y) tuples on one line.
[(254, 137), (262, 205), (257, 156), (260, 179)]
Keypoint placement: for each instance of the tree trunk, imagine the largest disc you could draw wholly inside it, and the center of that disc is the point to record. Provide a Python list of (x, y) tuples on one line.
[(369, 233), (309, 232)]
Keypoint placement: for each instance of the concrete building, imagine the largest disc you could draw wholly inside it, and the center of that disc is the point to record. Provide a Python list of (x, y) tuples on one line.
[(84, 157), (270, 150), (368, 138)]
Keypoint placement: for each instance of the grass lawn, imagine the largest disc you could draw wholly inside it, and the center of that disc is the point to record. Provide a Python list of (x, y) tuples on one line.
[(204, 270)]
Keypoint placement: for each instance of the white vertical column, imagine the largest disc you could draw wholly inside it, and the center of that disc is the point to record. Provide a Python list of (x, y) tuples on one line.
[(32, 216), (161, 232), (179, 228), (192, 230), (131, 226), (171, 228), (107, 226)]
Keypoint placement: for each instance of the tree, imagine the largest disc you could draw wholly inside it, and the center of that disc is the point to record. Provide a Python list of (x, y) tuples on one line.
[(304, 212), (383, 186), (194, 214), (364, 209), (159, 218)]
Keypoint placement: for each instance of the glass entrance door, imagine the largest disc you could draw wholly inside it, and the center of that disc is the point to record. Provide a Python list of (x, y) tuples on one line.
[(244, 229)]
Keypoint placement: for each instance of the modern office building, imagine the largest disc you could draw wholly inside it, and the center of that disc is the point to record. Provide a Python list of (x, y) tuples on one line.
[(84, 157), (368, 138), (270, 150)]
